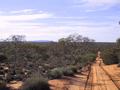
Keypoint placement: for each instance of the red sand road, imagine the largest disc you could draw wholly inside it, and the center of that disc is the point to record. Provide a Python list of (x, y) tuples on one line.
[(69, 83)]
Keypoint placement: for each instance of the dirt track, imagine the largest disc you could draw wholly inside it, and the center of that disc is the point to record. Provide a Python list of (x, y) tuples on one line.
[(98, 80), (114, 73), (101, 81), (98, 77), (70, 83)]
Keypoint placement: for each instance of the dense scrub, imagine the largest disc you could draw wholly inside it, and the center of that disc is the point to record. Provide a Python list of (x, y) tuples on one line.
[(62, 71), (35, 83), (20, 59), (112, 55)]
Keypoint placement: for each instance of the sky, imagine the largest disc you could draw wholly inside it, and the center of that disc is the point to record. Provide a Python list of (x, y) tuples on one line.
[(55, 19)]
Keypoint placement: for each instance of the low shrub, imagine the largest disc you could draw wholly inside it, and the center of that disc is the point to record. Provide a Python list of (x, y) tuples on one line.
[(35, 83), (73, 68), (55, 73), (68, 71)]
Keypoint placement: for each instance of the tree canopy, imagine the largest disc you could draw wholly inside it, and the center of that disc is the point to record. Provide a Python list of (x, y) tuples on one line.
[(76, 38)]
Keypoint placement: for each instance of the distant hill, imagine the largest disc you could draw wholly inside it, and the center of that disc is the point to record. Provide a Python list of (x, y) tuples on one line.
[(44, 41)]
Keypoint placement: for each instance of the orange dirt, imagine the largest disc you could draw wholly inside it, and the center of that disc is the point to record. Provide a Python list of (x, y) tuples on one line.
[(15, 85), (70, 83), (101, 81), (114, 72)]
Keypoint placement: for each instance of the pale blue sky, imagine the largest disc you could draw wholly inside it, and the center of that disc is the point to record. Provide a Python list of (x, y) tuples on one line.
[(54, 19)]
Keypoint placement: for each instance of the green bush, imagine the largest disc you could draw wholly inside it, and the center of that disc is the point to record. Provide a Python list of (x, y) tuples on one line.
[(3, 86), (110, 57), (90, 57), (68, 71), (73, 68), (55, 73), (35, 83)]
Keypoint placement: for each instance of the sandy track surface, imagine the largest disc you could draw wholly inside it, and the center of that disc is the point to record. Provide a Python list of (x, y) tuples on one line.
[(114, 73), (101, 81), (98, 80), (70, 83)]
